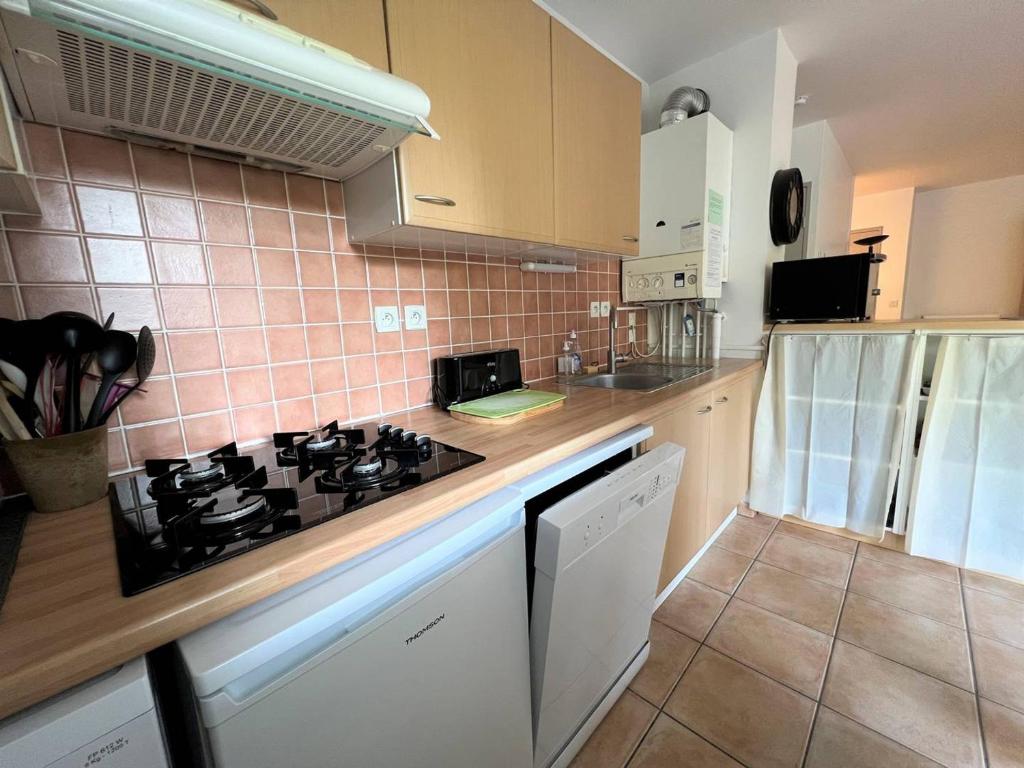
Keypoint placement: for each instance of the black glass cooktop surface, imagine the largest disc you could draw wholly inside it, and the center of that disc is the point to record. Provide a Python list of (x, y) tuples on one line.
[(183, 515)]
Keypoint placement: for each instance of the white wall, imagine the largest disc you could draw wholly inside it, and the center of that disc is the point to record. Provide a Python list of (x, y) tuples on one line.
[(821, 161), (967, 250), (752, 87), (893, 211)]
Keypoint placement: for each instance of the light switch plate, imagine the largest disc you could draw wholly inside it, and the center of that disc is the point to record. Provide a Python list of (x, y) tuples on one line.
[(385, 319), (595, 309), (415, 317), (606, 308)]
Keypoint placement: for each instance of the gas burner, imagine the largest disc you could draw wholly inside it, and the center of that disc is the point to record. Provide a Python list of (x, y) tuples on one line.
[(219, 469), (319, 449), (246, 507), (379, 471), (367, 466), (200, 472), (322, 445)]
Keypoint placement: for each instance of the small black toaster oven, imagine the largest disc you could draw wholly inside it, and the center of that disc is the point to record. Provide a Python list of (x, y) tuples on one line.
[(460, 378)]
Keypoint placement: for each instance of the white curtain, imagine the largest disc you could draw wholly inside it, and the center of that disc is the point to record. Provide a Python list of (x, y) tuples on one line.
[(967, 505), (829, 428)]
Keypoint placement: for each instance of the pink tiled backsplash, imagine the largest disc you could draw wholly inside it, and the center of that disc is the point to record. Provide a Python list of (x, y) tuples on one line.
[(260, 306)]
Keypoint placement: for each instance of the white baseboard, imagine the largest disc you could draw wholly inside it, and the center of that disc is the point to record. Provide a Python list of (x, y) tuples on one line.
[(693, 561)]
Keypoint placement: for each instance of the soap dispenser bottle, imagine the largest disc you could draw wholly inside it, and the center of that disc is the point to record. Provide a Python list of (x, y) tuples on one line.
[(577, 356)]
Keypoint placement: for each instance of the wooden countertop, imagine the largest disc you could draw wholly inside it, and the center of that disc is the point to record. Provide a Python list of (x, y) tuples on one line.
[(65, 619), (956, 325)]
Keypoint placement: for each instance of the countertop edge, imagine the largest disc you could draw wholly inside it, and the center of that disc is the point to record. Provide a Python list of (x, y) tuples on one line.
[(183, 606)]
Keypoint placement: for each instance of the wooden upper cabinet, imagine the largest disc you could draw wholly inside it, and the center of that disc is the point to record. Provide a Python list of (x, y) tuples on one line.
[(597, 147), (486, 66), (731, 433), (354, 26)]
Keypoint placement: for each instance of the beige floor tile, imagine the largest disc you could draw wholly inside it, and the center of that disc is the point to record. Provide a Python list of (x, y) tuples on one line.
[(720, 569), (670, 745), (670, 653), (811, 603), (838, 742), (903, 560), (928, 716), (618, 734), (813, 535), (1004, 735), (788, 652), (811, 560), (764, 521), (1000, 670), (912, 591), (995, 616), (751, 717), (692, 608), (743, 536), (928, 646), (1003, 587)]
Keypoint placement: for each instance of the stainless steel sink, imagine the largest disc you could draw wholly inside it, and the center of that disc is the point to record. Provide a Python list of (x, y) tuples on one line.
[(642, 377), (624, 380)]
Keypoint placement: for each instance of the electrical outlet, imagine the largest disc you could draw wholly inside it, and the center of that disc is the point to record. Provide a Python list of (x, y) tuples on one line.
[(632, 319), (385, 319), (595, 309), (632, 333), (606, 308), (415, 317)]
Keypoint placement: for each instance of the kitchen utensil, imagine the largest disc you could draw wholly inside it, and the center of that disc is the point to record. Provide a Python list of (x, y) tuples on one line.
[(73, 334), (13, 423), (92, 356), (64, 471), (145, 357), (30, 341), (116, 355), (507, 407)]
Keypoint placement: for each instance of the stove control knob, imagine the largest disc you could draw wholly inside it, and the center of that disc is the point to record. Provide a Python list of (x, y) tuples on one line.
[(383, 429), (395, 434), (658, 282), (423, 442), (409, 437)]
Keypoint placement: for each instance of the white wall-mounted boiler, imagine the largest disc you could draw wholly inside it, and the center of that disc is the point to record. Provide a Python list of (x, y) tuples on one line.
[(685, 190)]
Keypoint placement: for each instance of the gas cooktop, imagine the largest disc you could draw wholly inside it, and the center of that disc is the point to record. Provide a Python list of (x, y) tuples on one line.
[(185, 514)]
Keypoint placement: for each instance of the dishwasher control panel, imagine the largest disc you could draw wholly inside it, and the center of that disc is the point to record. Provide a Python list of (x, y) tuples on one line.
[(579, 523)]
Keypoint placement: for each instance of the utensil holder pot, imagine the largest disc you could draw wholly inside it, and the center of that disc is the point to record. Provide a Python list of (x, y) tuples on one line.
[(62, 472)]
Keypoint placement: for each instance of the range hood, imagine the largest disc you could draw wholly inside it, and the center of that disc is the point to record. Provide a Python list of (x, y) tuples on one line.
[(203, 75)]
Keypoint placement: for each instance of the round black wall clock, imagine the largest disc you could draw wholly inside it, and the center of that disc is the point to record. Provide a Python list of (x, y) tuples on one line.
[(786, 206)]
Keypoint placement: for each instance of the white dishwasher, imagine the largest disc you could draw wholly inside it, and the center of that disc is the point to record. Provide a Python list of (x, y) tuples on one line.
[(415, 655), (596, 528)]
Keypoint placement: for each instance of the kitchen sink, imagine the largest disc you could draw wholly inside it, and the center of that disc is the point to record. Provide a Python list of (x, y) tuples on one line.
[(642, 377)]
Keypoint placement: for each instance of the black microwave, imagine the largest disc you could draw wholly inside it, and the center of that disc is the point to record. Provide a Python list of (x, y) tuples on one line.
[(460, 378), (828, 288)]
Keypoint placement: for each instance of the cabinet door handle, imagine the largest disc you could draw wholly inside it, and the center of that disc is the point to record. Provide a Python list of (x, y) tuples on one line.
[(704, 410), (435, 200), (264, 9), (631, 238), (722, 400)]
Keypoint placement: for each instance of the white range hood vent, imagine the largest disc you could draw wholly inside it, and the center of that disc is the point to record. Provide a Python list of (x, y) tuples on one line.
[(199, 74)]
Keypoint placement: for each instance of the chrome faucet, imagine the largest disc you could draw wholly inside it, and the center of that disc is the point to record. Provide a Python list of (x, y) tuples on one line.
[(613, 325)]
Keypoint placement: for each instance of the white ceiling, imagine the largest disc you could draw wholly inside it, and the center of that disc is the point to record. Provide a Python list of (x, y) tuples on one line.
[(925, 93)]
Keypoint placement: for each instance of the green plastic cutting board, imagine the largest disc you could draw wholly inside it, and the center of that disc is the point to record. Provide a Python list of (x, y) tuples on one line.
[(508, 403)]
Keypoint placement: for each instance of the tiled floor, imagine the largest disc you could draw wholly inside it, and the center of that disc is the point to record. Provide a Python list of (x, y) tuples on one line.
[(786, 646)]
